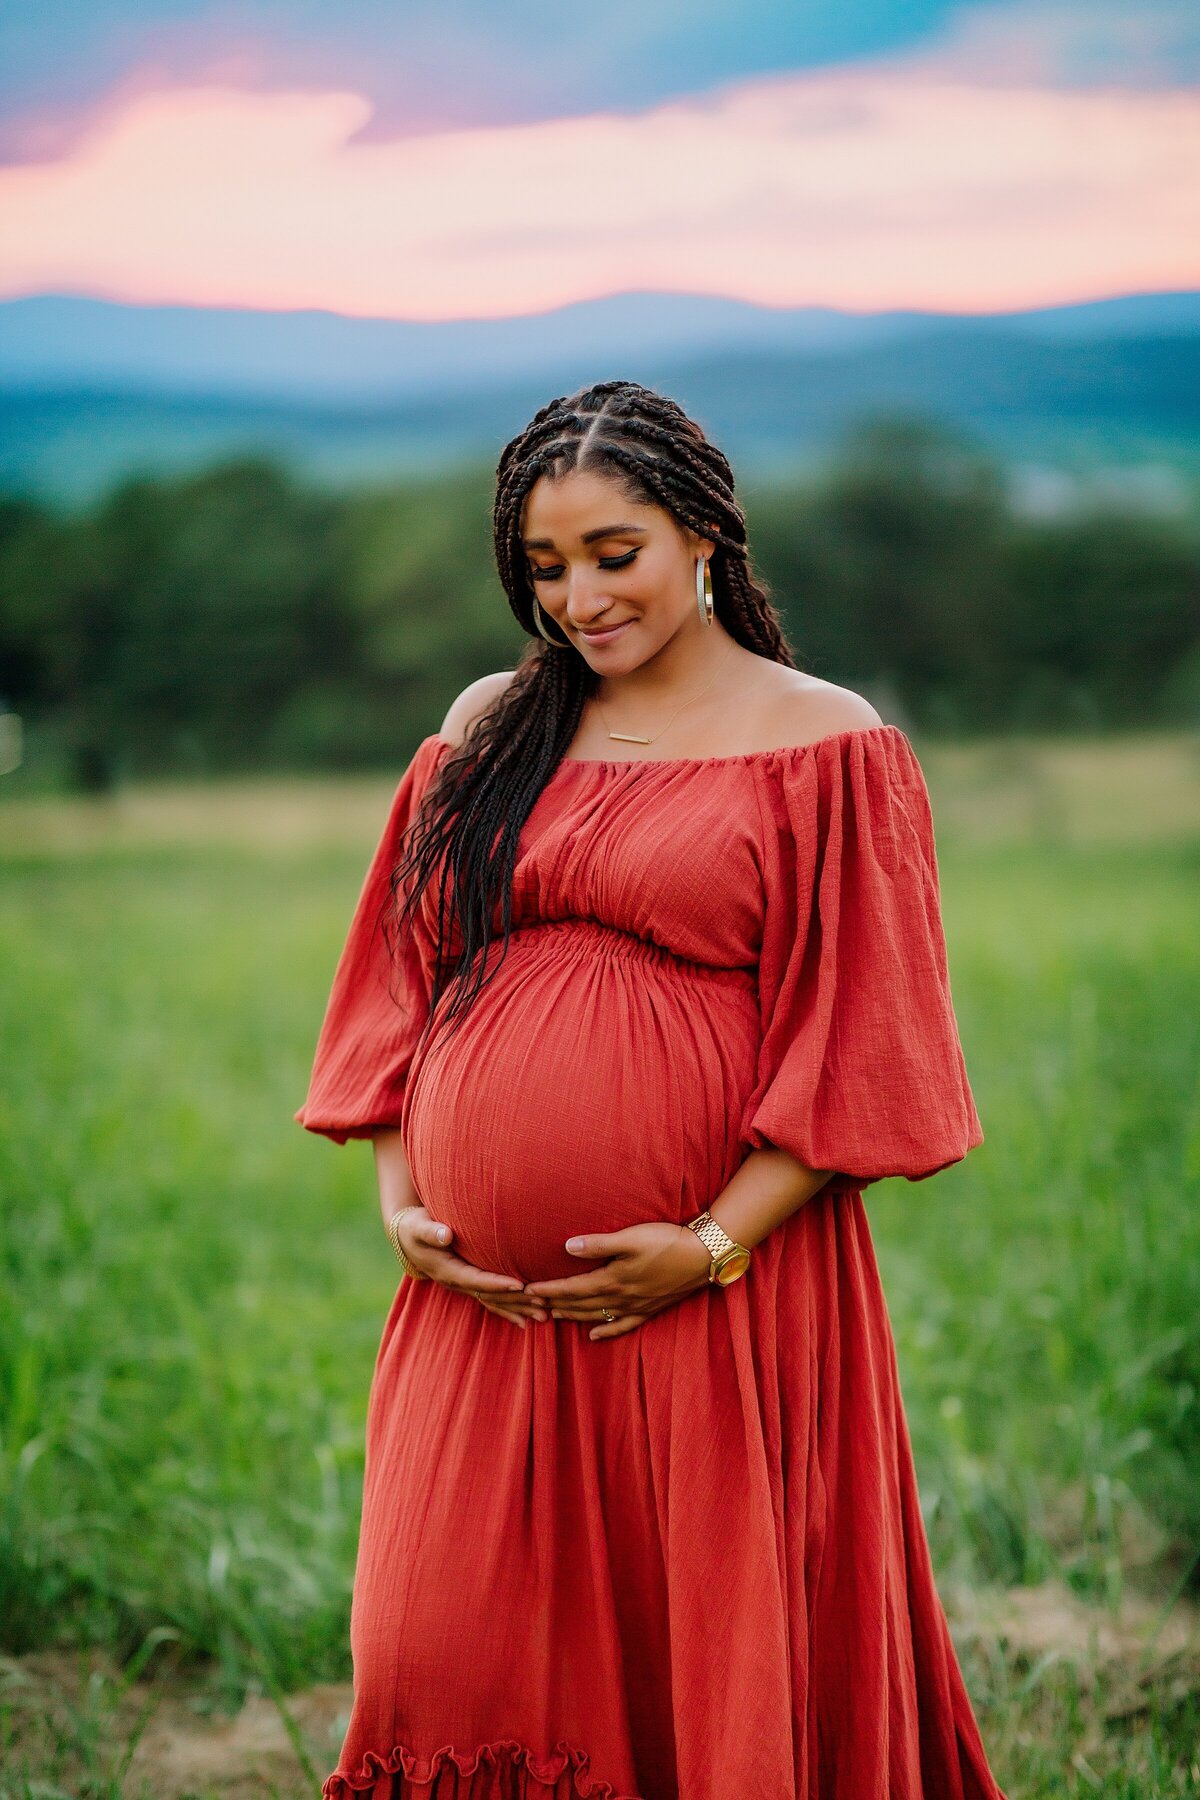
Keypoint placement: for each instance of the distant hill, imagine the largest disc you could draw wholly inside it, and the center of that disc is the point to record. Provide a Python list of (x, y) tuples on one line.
[(1092, 386), (57, 341)]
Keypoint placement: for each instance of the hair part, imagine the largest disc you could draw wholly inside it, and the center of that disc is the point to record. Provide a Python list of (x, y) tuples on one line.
[(472, 814)]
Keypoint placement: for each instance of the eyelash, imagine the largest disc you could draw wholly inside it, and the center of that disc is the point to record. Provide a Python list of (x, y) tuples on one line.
[(606, 562)]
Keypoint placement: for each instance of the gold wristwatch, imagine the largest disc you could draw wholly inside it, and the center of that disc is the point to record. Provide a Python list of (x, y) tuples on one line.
[(729, 1259)]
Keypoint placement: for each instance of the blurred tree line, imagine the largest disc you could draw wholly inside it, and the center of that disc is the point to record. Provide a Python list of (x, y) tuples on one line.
[(237, 618)]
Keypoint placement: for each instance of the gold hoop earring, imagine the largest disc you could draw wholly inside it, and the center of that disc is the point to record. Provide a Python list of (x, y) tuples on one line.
[(559, 643), (704, 592)]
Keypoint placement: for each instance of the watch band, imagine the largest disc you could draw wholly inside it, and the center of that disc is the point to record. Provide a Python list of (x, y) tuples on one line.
[(716, 1241)]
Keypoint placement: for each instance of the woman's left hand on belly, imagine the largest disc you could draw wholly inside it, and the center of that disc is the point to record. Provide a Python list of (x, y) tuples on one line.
[(646, 1269)]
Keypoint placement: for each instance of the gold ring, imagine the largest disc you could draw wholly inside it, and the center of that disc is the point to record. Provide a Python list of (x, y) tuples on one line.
[(609, 1318)]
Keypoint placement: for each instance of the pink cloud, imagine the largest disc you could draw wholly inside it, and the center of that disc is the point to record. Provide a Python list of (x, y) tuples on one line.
[(903, 185)]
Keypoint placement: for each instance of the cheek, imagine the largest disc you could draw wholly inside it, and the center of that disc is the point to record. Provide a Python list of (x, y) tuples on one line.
[(642, 641), (653, 631), (659, 622), (664, 591)]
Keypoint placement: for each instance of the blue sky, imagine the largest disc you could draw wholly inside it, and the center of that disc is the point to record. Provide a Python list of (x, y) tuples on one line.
[(449, 61)]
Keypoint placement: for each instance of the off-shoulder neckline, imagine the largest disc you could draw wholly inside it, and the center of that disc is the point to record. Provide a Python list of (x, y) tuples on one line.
[(707, 762)]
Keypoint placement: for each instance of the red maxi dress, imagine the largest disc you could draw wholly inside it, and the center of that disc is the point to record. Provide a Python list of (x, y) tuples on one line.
[(686, 1563)]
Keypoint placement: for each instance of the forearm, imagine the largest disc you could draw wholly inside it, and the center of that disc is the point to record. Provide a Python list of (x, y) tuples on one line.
[(767, 1189), (396, 1187)]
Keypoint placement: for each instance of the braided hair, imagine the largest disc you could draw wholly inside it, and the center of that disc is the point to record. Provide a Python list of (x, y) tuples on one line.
[(472, 813)]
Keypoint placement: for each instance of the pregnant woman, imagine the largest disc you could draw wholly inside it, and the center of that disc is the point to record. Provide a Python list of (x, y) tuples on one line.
[(647, 981)]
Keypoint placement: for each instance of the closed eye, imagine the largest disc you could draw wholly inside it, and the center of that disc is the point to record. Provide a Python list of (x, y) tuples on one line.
[(606, 562)]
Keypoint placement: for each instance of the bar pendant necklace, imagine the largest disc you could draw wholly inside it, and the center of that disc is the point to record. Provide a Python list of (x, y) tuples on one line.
[(631, 737)]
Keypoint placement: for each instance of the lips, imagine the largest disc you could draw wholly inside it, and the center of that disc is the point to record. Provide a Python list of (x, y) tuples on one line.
[(603, 637)]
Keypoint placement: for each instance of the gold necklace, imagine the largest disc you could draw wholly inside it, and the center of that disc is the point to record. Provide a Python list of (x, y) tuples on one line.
[(629, 737)]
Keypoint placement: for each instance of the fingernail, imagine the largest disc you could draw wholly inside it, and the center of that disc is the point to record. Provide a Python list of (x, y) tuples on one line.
[(574, 1243), (443, 1234)]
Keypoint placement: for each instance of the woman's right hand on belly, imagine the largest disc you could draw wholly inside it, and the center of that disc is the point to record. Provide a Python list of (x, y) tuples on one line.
[(425, 1242), (425, 1246)]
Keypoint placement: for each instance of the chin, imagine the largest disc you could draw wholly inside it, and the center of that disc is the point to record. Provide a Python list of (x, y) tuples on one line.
[(626, 652)]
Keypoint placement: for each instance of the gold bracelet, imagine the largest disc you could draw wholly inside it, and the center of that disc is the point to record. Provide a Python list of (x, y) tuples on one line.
[(394, 1240)]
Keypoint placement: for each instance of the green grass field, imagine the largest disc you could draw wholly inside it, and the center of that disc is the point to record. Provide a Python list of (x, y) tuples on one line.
[(194, 1287)]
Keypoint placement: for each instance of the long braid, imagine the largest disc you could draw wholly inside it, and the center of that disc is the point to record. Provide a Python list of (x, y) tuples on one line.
[(472, 815)]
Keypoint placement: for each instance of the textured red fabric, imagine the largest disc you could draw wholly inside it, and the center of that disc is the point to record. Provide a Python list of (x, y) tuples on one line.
[(687, 1563)]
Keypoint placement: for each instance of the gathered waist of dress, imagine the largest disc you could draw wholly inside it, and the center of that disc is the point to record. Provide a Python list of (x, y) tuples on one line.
[(587, 937)]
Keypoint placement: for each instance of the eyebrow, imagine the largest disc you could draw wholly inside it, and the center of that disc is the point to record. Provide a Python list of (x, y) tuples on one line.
[(589, 537)]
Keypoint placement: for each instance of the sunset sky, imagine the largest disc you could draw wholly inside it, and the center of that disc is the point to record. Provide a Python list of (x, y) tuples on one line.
[(452, 160)]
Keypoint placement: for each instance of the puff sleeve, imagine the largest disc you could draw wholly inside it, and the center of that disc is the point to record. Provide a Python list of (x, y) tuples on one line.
[(861, 1067), (377, 1006)]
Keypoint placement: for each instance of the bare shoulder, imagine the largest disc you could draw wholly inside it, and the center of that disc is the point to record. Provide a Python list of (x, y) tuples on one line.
[(803, 708), (472, 703)]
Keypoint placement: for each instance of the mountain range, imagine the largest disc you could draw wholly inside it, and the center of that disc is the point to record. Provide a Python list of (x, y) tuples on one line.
[(92, 390)]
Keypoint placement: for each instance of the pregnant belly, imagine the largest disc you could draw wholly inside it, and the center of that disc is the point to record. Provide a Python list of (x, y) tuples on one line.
[(597, 1082)]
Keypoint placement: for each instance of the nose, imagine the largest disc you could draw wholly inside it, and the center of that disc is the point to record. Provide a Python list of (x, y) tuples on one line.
[(586, 601)]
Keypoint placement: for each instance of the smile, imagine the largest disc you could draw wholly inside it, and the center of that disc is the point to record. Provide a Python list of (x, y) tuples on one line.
[(606, 636)]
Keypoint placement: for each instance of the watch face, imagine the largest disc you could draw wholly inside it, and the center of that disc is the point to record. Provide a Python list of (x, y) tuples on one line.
[(735, 1264)]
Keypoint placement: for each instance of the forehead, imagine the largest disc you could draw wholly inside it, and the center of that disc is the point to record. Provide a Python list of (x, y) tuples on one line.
[(583, 500)]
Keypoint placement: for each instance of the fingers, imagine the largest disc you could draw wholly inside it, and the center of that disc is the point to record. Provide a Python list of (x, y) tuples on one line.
[(593, 1286), (592, 1315), (610, 1243), (618, 1328), (510, 1308), (513, 1304), (434, 1260), (456, 1273), (594, 1307), (501, 1294), (504, 1310)]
